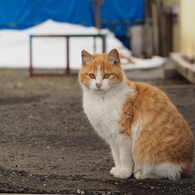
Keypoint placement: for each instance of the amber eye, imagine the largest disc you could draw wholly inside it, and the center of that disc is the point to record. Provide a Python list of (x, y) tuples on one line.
[(92, 76), (106, 76)]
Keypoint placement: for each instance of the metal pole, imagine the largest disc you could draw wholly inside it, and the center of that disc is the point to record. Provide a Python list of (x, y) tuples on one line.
[(67, 45), (104, 44), (31, 68), (67, 57), (94, 44)]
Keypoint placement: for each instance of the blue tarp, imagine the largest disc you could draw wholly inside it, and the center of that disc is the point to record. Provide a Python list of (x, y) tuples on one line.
[(115, 14)]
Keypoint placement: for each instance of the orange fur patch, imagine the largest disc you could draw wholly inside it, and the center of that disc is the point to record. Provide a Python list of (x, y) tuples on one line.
[(164, 134)]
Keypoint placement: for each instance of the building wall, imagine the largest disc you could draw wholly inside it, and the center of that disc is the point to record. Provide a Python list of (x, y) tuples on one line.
[(184, 28), (177, 25), (187, 45)]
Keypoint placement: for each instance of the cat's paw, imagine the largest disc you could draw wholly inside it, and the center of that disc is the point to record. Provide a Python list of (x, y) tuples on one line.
[(118, 173), (114, 170), (138, 175)]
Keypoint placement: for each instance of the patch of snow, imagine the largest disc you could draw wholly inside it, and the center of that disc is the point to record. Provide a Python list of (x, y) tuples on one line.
[(51, 52)]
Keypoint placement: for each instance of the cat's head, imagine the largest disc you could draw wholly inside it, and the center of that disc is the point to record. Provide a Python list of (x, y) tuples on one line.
[(100, 72)]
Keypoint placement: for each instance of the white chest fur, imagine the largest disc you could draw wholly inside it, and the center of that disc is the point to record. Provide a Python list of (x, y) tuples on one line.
[(104, 110)]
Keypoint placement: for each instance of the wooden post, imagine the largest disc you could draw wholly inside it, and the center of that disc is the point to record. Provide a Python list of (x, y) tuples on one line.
[(97, 13), (155, 27)]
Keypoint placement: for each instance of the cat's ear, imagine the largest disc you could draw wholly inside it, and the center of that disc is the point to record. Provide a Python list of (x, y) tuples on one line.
[(86, 57), (113, 57)]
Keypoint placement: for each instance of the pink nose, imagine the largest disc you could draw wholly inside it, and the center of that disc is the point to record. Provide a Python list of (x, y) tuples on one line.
[(98, 85)]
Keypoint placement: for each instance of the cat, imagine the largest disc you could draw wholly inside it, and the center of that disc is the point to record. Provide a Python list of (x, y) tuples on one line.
[(147, 135)]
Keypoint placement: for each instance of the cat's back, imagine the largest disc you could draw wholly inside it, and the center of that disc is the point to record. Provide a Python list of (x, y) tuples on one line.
[(148, 96), (153, 105)]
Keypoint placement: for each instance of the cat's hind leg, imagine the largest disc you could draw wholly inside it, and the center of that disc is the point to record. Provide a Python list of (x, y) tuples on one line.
[(165, 170), (140, 175)]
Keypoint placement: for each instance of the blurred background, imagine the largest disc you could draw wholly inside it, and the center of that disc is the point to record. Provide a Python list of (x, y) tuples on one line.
[(145, 28)]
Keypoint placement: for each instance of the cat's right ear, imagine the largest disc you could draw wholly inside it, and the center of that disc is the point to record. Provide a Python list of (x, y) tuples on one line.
[(86, 57)]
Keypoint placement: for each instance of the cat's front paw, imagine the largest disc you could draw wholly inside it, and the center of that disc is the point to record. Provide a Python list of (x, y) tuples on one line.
[(119, 173), (114, 170)]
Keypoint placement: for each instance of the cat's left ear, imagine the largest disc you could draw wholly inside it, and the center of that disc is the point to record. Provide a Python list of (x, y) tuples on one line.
[(86, 57), (113, 57)]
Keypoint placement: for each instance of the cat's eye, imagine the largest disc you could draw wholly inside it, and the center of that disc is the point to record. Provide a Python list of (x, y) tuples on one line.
[(92, 76), (106, 76)]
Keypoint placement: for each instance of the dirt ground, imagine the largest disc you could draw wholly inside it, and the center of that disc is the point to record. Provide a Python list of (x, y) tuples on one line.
[(48, 146)]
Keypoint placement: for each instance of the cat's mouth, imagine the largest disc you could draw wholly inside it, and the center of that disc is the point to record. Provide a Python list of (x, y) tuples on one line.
[(99, 90)]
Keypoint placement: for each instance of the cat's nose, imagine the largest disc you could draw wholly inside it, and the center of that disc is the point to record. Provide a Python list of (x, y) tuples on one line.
[(98, 85)]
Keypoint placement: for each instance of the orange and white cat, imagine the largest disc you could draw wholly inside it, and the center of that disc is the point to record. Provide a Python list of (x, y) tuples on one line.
[(146, 133)]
